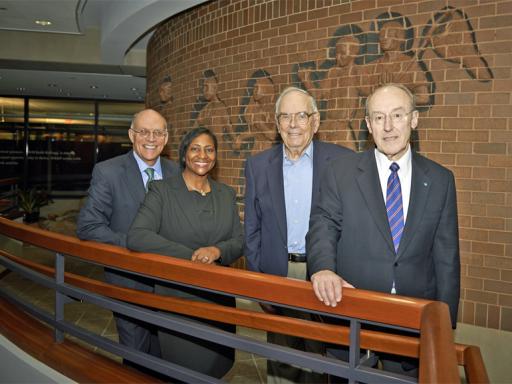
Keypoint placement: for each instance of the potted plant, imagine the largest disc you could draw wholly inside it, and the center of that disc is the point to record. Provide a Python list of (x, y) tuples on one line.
[(30, 201)]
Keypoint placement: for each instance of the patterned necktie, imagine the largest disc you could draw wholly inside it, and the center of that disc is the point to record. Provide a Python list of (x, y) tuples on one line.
[(394, 206), (151, 176)]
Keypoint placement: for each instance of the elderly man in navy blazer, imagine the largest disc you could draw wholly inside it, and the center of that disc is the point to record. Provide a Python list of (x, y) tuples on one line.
[(118, 187), (281, 185), (386, 219)]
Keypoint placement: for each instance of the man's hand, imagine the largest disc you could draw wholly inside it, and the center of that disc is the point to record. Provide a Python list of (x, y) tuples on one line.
[(327, 286)]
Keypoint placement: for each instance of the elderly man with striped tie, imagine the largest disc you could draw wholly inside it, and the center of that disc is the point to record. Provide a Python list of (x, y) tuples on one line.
[(386, 219)]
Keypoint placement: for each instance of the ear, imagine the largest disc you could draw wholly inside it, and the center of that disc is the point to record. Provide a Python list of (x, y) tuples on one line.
[(368, 125), (414, 119), (315, 123), (131, 135)]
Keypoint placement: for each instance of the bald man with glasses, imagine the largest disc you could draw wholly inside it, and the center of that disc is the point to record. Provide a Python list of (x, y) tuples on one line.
[(117, 189), (281, 185), (386, 219)]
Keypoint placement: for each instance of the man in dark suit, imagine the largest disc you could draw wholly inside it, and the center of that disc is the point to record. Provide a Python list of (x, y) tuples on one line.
[(281, 184), (386, 220), (118, 187)]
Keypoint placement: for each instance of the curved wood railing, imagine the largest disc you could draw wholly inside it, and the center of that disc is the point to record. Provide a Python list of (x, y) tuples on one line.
[(435, 348)]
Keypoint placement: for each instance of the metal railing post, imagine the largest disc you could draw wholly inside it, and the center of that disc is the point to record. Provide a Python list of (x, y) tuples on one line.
[(60, 299)]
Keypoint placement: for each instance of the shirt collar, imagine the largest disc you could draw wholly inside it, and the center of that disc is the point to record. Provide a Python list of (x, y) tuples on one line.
[(142, 165), (383, 162), (307, 152)]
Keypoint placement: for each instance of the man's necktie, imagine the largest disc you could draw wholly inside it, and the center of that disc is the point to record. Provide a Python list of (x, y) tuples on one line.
[(151, 176), (394, 206)]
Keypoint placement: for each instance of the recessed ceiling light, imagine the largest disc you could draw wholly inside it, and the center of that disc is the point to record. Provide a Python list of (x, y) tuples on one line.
[(43, 23), (51, 85), (93, 86), (133, 89), (21, 89)]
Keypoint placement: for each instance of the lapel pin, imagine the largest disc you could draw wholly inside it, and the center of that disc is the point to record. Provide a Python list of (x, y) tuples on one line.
[(425, 184)]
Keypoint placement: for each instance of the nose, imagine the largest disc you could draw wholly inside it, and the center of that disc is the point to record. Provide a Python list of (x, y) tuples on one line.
[(388, 125), (293, 120)]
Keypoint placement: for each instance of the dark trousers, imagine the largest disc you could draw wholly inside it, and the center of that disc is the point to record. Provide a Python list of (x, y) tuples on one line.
[(282, 372)]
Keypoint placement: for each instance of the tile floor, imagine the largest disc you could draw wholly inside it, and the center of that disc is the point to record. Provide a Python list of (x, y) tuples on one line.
[(249, 368)]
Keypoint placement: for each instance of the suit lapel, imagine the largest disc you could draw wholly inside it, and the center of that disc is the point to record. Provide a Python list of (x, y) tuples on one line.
[(420, 186), (276, 186), (133, 178), (320, 159), (369, 185)]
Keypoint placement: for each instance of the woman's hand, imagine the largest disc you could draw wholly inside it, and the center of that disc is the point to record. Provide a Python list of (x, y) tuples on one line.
[(206, 255)]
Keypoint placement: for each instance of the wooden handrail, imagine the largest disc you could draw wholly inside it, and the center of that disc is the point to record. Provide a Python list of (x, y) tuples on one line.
[(366, 305), (430, 317), (473, 363), (9, 181), (436, 340)]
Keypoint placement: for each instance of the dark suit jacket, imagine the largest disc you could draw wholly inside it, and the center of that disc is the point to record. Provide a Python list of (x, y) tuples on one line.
[(169, 222), (349, 232), (266, 244), (115, 194)]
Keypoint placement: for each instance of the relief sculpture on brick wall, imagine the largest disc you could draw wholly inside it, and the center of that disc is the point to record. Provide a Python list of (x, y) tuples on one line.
[(256, 129), (357, 62), (360, 61), (211, 112)]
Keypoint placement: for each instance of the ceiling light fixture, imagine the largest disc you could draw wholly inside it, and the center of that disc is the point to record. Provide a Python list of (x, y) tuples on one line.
[(21, 89), (43, 23), (93, 86)]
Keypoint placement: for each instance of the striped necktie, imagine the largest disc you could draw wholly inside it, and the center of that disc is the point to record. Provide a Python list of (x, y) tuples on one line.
[(394, 206), (151, 176)]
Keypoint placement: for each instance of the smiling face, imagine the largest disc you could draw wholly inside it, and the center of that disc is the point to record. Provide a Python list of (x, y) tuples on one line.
[(385, 105), (296, 137), (201, 155), (150, 147)]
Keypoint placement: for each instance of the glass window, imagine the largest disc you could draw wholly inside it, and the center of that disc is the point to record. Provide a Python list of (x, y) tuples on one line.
[(11, 137), (113, 124), (61, 144)]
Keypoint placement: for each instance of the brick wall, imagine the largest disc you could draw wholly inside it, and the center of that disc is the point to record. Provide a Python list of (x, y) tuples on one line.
[(227, 61)]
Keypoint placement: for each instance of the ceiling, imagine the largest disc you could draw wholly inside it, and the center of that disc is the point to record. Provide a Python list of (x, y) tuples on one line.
[(123, 28)]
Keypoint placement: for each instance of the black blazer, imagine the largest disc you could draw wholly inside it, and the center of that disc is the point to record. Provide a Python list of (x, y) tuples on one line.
[(349, 232), (169, 223), (266, 243)]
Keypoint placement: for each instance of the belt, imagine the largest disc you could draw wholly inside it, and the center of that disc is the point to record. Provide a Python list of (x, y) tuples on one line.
[(297, 257)]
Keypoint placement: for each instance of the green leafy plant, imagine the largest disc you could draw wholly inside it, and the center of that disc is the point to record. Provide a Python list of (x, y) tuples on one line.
[(30, 201)]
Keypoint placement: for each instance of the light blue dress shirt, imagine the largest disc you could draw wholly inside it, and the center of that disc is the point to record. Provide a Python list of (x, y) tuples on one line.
[(298, 187), (142, 167)]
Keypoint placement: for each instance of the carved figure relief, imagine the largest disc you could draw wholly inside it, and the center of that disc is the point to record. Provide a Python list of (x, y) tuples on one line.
[(357, 62), (257, 128), (212, 112)]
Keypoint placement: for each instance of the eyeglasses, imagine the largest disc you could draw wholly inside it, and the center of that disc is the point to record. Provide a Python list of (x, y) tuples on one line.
[(157, 133), (379, 118), (301, 118)]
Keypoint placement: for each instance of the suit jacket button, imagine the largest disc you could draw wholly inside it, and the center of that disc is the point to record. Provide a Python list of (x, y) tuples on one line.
[(396, 264)]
